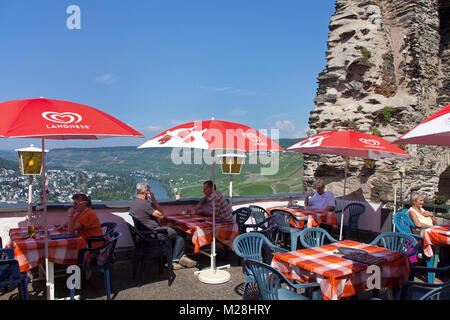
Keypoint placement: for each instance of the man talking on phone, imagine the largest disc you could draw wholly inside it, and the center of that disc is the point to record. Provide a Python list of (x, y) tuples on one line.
[(151, 218)]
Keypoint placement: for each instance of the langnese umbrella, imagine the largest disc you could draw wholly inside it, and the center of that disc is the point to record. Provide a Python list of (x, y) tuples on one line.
[(349, 144), (213, 135), (57, 119), (435, 130)]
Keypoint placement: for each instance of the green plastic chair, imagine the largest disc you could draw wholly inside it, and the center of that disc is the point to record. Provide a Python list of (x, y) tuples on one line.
[(259, 213), (311, 237), (284, 224), (269, 282), (253, 245), (10, 274), (414, 290), (400, 242), (441, 293), (104, 258)]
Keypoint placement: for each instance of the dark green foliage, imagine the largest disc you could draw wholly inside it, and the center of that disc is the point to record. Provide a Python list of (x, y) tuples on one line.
[(386, 112)]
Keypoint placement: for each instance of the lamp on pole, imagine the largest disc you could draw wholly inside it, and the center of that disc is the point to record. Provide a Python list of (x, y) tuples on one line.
[(30, 161), (231, 164)]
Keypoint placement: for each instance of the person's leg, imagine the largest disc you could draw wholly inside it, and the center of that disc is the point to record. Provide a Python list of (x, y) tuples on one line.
[(177, 237), (179, 258)]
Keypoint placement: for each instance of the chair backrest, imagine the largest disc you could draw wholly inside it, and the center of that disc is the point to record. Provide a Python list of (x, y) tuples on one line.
[(336, 208), (138, 225), (440, 293), (242, 215), (6, 253), (270, 227), (314, 237), (149, 240), (355, 210), (106, 253), (267, 278), (249, 245), (284, 220), (396, 241), (259, 213), (403, 222), (110, 227), (133, 234), (9, 267)]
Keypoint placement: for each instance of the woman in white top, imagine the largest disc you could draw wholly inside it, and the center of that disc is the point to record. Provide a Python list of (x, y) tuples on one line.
[(420, 217)]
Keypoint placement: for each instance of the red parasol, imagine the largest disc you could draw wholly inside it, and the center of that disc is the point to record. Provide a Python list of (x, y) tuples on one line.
[(349, 144), (57, 119), (434, 131), (212, 135)]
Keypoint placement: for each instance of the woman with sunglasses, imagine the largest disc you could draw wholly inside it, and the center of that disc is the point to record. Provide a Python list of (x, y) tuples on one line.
[(83, 220)]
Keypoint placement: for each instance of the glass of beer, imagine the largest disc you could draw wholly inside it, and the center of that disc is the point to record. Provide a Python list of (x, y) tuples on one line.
[(190, 212), (31, 231)]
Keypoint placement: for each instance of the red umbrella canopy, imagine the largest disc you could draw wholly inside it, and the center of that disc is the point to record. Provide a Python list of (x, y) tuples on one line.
[(58, 119), (434, 131), (213, 134), (349, 144)]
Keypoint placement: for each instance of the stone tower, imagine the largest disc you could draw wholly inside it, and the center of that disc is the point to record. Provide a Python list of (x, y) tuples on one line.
[(388, 69)]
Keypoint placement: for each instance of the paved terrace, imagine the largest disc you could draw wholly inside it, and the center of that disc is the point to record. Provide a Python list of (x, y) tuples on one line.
[(186, 285)]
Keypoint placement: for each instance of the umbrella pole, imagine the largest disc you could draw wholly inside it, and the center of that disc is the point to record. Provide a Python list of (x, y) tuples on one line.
[(213, 275), (343, 198), (231, 189), (30, 199), (49, 283), (213, 248)]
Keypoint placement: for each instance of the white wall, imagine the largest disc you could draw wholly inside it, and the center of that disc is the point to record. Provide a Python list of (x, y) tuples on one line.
[(370, 220)]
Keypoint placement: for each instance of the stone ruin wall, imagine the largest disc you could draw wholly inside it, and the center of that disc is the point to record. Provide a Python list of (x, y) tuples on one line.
[(387, 70)]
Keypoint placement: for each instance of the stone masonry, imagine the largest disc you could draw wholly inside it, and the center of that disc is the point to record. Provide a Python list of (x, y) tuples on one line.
[(387, 70)]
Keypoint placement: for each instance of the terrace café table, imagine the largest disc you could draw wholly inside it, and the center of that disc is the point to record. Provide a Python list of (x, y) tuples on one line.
[(315, 216), (338, 276), (435, 236), (30, 252), (201, 229)]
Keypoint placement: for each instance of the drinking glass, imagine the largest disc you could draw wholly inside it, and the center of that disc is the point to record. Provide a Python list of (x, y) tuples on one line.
[(31, 230)]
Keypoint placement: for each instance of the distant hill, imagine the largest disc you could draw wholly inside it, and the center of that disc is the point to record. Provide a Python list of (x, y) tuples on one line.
[(286, 143), (185, 177), (9, 155), (8, 164)]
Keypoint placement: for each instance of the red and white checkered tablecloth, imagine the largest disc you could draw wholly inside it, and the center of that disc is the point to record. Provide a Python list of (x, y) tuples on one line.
[(201, 229), (340, 277), (315, 216), (438, 235), (30, 252)]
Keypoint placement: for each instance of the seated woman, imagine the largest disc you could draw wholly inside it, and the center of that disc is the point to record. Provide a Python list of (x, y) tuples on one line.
[(420, 217), (83, 220)]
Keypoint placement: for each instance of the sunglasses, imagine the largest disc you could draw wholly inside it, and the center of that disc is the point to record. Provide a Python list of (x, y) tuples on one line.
[(76, 203)]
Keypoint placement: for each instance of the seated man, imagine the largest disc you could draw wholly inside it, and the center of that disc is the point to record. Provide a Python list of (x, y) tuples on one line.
[(223, 208), (321, 199), (142, 211)]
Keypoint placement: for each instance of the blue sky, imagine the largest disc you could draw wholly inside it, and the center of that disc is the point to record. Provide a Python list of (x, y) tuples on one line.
[(155, 64)]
